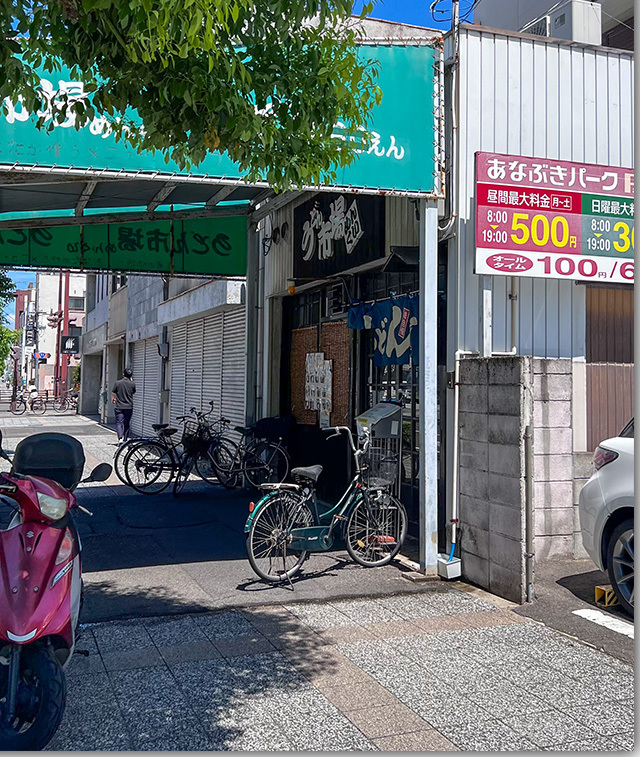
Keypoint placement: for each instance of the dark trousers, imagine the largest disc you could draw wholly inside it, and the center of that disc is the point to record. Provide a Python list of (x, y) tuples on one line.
[(123, 421)]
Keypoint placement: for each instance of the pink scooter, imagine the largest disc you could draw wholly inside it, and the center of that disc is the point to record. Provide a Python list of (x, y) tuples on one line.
[(40, 586)]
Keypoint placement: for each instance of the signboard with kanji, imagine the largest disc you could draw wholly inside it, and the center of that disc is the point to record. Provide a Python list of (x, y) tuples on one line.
[(214, 246), (553, 219)]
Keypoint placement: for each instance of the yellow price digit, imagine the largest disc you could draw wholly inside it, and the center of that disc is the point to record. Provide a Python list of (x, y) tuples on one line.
[(517, 225), (624, 241)]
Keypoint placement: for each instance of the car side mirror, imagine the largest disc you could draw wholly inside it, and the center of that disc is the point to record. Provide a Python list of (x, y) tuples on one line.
[(99, 473)]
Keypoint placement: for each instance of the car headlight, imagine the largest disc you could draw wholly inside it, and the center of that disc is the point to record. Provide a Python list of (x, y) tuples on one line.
[(51, 507)]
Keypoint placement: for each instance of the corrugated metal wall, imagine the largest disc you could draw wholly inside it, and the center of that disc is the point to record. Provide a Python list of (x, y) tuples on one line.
[(547, 99)]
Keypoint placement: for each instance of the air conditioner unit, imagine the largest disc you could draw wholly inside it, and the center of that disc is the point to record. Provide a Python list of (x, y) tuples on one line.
[(539, 27), (575, 20)]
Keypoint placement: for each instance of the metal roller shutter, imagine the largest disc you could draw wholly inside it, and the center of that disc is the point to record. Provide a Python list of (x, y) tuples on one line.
[(234, 366), (212, 364), (193, 365), (138, 399), (178, 358), (150, 401)]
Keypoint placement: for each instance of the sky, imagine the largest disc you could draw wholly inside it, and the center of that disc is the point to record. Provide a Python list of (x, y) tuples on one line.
[(404, 11), (416, 12)]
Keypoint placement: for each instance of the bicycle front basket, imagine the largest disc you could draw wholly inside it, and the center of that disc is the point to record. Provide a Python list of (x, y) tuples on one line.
[(196, 437), (381, 469)]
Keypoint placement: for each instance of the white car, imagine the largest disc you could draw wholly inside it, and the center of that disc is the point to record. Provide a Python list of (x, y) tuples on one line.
[(606, 513)]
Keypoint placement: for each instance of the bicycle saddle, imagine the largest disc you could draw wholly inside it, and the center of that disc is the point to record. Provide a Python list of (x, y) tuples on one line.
[(158, 426), (312, 473), (167, 431), (244, 430)]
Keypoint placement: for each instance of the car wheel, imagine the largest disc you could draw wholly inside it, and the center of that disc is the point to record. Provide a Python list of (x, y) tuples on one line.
[(620, 564)]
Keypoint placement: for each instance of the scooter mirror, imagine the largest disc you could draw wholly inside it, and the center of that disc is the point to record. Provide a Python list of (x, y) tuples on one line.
[(2, 452), (100, 472)]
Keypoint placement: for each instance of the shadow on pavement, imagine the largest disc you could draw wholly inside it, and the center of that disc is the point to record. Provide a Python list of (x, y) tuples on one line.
[(210, 681), (582, 586)]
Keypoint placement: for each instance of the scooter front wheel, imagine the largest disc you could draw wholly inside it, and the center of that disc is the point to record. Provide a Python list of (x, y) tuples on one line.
[(40, 701)]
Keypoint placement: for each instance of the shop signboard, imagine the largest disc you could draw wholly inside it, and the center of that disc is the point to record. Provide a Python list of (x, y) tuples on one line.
[(333, 233), (554, 219), (70, 345), (214, 246), (402, 155)]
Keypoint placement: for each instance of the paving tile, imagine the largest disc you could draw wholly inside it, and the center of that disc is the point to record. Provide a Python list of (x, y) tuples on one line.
[(243, 646), (364, 611), (92, 719), (118, 637), (624, 741), (442, 623), (548, 727), (394, 629), (417, 741), (145, 690), (170, 631), (387, 720), (320, 616), (490, 736), (605, 718), (200, 650), (133, 658), (593, 744), (448, 711), (359, 696), (225, 625), (343, 634), (488, 619), (172, 729), (610, 686), (505, 699)]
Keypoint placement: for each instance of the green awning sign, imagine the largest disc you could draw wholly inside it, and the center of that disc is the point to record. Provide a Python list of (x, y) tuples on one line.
[(207, 246), (401, 157)]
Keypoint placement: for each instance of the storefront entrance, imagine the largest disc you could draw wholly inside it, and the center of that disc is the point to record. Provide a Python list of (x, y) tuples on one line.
[(316, 321)]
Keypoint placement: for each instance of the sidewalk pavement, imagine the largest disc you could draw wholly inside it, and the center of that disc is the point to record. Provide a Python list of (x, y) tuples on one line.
[(441, 669)]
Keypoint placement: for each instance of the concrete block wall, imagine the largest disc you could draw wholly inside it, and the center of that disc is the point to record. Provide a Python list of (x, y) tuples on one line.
[(144, 296), (495, 402), (555, 519)]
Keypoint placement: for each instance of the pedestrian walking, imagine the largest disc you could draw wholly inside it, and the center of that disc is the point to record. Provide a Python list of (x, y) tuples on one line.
[(122, 397)]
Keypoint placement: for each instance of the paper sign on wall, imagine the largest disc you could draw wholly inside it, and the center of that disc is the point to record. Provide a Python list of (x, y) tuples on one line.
[(318, 383)]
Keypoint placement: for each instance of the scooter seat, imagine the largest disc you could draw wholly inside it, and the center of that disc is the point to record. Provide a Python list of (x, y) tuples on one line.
[(312, 473)]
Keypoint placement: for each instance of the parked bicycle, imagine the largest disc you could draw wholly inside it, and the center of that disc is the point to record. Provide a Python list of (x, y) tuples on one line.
[(65, 402), (259, 460), (286, 524), (150, 464)]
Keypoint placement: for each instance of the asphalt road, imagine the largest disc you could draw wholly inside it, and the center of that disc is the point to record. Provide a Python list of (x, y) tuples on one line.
[(145, 556), (564, 586)]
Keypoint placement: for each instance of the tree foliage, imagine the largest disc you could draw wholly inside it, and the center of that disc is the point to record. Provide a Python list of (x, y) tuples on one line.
[(7, 289), (263, 80), (8, 337)]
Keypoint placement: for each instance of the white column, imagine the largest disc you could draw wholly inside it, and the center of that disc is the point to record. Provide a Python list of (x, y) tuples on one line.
[(251, 304), (428, 386), (487, 316)]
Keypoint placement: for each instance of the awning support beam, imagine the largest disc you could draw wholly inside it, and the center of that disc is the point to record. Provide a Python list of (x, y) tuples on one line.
[(85, 196), (220, 195), (161, 195)]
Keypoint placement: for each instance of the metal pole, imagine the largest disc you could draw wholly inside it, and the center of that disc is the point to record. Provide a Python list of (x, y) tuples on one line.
[(529, 555), (251, 304), (428, 392)]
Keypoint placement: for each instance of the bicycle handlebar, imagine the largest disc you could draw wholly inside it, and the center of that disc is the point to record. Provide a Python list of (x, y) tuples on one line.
[(338, 430)]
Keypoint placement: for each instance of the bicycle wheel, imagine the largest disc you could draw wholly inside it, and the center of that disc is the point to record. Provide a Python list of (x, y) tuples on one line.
[(39, 406), (149, 467), (184, 471), (269, 537), (60, 404), (265, 463), (120, 457), (18, 407), (375, 530), (224, 457)]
